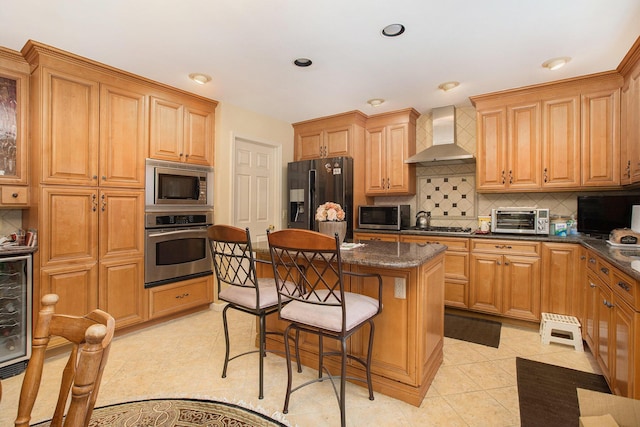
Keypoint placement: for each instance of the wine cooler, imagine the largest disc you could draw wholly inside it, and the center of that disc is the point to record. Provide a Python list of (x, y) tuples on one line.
[(15, 314)]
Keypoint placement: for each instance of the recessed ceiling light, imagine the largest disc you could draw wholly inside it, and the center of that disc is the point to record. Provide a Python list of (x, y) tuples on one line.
[(447, 86), (200, 78), (375, 102), (393, 30), (555, 63), (303, 62)]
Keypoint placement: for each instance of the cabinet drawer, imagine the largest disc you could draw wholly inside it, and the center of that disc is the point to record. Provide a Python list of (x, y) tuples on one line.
[(452, 243), (624, 286), (14, 196), (604, 270), (505, 246), (176, 297), (383, 237), (592, 262)]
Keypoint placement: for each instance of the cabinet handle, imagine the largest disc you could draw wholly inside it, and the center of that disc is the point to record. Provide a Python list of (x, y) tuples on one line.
[(181, 154), (506, 263), (628, 168), (582, 258), (104, 178), (104, 203), (94, 177), (14, 195), (510, 177), (591, 284), (94, 203), (624, 286), (186, 155), (607, 303), (504, 179), (604, 270), (498, 263), (592, 260), (544, 174), (388, 183), (498, 246), (182, 296)]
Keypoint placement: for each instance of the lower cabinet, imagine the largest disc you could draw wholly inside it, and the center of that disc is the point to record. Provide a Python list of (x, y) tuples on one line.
[(180, 296), (456, 267), (361, 237), (560, 291), (120, 292), (505, 278)]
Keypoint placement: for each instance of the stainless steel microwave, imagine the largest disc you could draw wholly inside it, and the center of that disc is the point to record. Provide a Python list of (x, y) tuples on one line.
[(518, 220), (394, 217), (171, 185)]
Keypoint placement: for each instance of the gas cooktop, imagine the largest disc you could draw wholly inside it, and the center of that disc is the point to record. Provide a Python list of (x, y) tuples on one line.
[(441, 229)]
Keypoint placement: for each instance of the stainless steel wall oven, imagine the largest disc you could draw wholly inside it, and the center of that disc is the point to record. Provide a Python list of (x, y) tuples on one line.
[(176, 246)]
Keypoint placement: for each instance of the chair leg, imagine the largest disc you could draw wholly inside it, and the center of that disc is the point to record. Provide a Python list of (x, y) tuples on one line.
[(263, 350), (298, 350), (226, 340), (371, 330), (287, 353), (343, 382), (320, 355)]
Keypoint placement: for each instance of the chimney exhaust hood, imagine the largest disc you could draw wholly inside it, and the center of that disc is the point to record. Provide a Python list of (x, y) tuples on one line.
[(444, 150)]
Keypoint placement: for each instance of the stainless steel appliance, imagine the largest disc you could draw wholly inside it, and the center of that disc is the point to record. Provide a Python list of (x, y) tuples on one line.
[(520, 220), (176, 246), (15, 314), (314, 182), (394, 217), (177, 186)]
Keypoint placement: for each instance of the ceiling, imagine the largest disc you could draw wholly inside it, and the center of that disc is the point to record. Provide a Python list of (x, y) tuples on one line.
[(248, 46)]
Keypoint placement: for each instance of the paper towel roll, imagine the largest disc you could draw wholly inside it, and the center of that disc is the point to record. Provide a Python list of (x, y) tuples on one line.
[(635, 218)]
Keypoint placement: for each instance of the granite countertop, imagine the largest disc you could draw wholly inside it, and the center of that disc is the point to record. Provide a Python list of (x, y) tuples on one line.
[(381, 254), (619, 257)]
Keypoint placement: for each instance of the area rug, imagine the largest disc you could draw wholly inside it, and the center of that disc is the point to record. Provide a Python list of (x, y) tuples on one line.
[(177, 413), (547, 393), (470, 329)]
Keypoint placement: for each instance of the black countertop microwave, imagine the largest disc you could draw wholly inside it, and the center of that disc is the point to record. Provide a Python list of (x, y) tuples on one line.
[(394, 217)]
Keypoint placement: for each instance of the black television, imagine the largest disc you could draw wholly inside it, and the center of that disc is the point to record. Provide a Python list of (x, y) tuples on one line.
[(598, 215)]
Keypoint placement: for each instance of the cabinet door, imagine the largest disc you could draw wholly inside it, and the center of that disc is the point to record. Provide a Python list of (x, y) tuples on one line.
[(521, 287), (121, 291), (601, 138), (590, 327), (123, 133), (308, 145), (633, 125), (199, 136), (75, 284), (69, 225), (398, 176), (524, 147), (604, 323), (560, 278), (121, 223), (485, 287), (166, 136), (14, 125), (337, 141), (561, 143), (375, 157), (70, 129), (623, 347), (491, 154)]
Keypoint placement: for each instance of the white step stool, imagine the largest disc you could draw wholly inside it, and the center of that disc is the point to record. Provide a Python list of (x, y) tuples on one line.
[(563, 324)]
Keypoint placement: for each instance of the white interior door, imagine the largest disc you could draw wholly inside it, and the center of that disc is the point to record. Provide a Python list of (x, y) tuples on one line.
[(255, 188)]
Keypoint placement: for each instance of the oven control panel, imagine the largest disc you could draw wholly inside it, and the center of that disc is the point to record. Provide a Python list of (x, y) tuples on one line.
[(162, 219)]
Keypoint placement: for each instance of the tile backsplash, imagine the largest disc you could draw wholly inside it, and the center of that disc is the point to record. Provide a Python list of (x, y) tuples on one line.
[(10, 221)]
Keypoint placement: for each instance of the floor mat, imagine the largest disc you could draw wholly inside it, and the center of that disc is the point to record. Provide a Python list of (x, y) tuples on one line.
[(479, 331), (547, 393)]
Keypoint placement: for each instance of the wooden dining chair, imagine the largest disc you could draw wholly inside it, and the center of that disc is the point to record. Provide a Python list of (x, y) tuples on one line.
[(321, 305), (239, 286), (90, 338)]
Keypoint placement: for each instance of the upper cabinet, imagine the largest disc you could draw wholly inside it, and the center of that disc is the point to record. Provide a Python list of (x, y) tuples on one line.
[(14, 102), (182, 130), (558, 136), (390, 140), (630, 121), (332, 136)]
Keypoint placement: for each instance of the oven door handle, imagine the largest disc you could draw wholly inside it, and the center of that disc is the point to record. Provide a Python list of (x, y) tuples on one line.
[(169, 233)]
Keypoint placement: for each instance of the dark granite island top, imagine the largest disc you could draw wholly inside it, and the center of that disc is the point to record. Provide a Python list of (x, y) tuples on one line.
[(409, 333)]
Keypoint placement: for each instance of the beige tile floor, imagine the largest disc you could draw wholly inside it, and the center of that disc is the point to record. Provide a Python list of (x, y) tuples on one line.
[(475, 386)]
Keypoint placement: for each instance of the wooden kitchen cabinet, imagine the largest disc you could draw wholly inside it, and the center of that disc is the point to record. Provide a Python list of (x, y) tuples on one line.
[(180, 296), (560, 292), (361, 237), (182, 129), (12, 196), (557, 136), (505, 278), (14, 78), (456, 267), (390, 140), (331, 136), (120, 292), (121, 223), (630, 111), (601, 138)]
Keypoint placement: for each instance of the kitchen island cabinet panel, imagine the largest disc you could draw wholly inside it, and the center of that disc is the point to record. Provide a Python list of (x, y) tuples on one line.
[(486, 278)]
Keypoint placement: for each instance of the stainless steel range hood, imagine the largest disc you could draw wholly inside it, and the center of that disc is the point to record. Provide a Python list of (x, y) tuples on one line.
[(444, 150)]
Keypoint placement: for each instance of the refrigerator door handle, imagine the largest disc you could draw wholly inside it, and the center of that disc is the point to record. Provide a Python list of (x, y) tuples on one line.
[(311, 216)]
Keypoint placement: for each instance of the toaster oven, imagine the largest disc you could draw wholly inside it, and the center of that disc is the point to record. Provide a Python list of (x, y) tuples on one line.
[(517, 220)]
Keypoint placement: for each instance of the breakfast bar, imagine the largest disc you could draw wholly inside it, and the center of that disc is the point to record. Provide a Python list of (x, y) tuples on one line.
[(408, 342)]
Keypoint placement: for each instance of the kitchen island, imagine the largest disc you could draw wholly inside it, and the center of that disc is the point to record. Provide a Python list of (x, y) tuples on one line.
[(408, 341)]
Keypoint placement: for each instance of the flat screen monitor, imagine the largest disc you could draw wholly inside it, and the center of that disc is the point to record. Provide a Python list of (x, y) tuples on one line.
[(598, 215)]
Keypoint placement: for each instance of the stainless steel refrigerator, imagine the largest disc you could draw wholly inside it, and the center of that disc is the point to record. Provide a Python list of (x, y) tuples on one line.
[(314, 182)]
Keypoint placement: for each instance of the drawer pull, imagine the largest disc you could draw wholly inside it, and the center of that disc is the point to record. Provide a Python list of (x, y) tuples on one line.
[(582, 258), (593, 285), (182, 296), (592, 260), (604, 270), (624, 286), (607, 303), (14, 195)]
